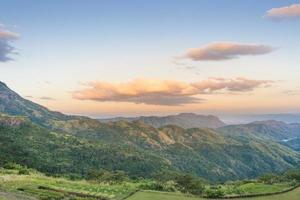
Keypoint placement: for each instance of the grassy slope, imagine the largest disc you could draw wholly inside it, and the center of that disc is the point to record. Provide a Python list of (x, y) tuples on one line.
[(14, 186), (10, 185), (293, 195), (14, 196)]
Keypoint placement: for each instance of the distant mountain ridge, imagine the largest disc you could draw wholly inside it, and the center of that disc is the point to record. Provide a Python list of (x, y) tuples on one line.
[(245, 119), (184, 120), (286, 134)]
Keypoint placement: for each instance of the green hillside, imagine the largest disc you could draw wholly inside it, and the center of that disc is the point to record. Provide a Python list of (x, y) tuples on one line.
[(33, 146)]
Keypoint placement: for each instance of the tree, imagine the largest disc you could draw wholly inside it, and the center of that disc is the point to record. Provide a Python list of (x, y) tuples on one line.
[(190, 184)]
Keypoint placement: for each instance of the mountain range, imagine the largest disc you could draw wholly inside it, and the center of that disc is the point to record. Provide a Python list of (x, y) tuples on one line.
[(55, 143), (244, 119), (184, 120)]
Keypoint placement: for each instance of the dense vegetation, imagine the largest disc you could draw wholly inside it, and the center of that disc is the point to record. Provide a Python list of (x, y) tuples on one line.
[(36, 147)]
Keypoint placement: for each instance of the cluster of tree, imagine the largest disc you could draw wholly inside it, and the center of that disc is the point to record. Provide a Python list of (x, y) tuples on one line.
[(22, 170), (289, 176), (174, 181)]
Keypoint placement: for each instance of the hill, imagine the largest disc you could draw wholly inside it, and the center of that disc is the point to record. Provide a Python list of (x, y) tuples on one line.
[(287, 134), (245, 119), (13, 104), (184, 120)]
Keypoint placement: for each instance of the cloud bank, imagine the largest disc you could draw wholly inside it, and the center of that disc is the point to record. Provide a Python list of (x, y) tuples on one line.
[(6, 50), (292, 11), (164, 92), (225, 51)]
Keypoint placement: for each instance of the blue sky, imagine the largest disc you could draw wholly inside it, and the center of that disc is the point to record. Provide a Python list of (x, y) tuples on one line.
[(67, 42)]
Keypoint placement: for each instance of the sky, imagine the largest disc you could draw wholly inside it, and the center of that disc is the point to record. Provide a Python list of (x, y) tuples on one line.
[(105, 58)]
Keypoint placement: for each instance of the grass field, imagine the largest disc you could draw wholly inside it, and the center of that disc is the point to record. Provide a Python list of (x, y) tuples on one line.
[(14, 186), (31, 185), (145, 195), (14, 196), (257, 188)]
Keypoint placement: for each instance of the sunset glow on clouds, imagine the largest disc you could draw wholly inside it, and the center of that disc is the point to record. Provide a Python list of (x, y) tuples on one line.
[(164, 92), (218, 51), (291, 11)]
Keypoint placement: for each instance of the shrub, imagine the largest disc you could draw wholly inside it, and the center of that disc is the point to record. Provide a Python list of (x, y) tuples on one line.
[(214, 193), (169, 186), (24, 171), (269, 179), (190, 184), (12, 166), (152, 186), (293, 175), (108, 176)]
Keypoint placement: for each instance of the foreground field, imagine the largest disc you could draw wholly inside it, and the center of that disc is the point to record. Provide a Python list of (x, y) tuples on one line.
[(149, 195), (36, 186), (12, 186), (14, 196)]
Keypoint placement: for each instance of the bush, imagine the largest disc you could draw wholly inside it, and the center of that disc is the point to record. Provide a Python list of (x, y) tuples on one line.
[(214, 193), (269, 179), (107, 176), (190, 184), (12, 166), (293, 175), (24, 172), (169, 186), (74, 177), (158, 186)]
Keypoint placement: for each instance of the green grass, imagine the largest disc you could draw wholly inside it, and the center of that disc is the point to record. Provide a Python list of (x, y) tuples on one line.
[(149, 195), (19, 187), (145, 195), (30, 184), (14, 196), (257, 188)]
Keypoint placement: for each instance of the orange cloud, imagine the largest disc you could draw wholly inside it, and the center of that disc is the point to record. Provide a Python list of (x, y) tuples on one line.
[(225, 50), (164, 92), (291, 11)]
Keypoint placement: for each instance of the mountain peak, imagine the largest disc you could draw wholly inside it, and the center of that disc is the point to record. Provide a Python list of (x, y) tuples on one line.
[(3, 85), (13, 104)]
